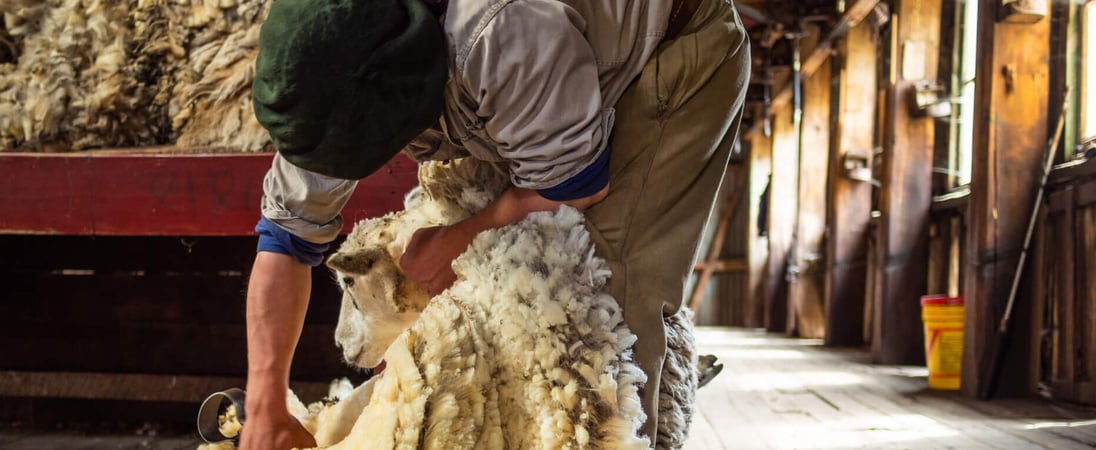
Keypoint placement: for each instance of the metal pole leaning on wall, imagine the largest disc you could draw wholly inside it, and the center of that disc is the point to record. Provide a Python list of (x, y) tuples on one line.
[(1000, 344)]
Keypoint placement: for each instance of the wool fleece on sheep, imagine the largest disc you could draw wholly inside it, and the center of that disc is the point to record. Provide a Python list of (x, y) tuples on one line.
[(525, 350)]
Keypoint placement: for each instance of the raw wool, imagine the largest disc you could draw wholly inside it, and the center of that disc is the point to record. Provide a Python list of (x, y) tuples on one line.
[(677, 391), (329, 420), (97, 73), (211, 102), (527, 307), (508, 274), (537, 293)]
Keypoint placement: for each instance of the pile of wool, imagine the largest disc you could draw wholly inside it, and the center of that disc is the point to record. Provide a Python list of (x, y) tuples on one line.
[(97, 73)]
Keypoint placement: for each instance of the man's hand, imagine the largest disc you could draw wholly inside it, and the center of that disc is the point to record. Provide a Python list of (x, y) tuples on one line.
[(265, 432), (428, 259)]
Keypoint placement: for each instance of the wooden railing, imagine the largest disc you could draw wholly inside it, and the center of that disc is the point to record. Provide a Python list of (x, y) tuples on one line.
[(1066, 284)]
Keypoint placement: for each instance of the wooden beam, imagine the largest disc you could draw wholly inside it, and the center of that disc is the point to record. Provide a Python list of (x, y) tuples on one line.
[(1010, 141), (160, 192), (723, 266), (850, 19), (783, 197), (126, 386), (849, 217), (783, 97), (814, 59), (808, 282), (905, 196), (760, 163)]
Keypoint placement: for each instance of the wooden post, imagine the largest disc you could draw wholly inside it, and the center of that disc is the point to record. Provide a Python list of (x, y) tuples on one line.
[(850, 200), (905, 196), (782, 208), (1010, 140), (808, 286), (760, 171)]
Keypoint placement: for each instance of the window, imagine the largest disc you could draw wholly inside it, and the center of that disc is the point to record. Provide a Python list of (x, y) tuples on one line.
[(1080, 76), (961, 129), (962, 143), (1087, 91)]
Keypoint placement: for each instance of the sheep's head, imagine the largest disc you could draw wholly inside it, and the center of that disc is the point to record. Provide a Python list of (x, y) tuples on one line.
[(378, 301)]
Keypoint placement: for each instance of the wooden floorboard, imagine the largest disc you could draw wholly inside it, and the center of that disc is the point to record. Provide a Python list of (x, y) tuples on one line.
[(68, 442), (783, 393)]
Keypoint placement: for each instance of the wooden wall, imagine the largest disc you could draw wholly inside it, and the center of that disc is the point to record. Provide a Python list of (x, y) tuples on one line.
[(760, 168), (1010, 140), (814, 278), (783, 204), (124, 279), (849, 213), (905, 196), (809, 256), (1067, 280), (876, 269), (155, 319)]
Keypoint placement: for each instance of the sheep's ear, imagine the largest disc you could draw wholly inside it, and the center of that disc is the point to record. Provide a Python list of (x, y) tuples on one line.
[(359, 262)]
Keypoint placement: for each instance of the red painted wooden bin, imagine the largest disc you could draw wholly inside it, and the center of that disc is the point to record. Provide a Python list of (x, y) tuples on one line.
[(161, 191)]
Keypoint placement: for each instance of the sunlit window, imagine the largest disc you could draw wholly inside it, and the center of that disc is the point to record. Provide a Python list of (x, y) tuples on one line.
[(961, 138), (1079, 48), (1088, 73)]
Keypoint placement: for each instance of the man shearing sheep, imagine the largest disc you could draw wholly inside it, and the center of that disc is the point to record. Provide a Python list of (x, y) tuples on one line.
[(625, 109)]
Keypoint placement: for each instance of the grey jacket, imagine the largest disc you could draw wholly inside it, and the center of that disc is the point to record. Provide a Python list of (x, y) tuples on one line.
[(531, 82)]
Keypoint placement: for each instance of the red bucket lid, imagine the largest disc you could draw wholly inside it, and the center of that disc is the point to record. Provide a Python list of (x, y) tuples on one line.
[(941, 300)]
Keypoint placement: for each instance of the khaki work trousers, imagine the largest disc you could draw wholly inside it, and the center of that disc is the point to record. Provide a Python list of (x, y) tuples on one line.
[(675, 127)]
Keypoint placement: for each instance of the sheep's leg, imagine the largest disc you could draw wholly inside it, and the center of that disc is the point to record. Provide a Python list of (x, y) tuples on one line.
[(334, 422), (679, 381), (707, 367)]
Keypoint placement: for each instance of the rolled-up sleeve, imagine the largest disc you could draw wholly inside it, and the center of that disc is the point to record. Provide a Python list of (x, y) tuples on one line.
[(433, 145), (305, 203), (534, 78)]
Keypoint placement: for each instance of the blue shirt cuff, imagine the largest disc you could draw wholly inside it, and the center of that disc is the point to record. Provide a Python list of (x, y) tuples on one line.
[(590, 181), (273, 238)]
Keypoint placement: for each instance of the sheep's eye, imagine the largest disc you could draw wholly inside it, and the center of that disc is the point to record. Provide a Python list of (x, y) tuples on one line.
[(348, 281)]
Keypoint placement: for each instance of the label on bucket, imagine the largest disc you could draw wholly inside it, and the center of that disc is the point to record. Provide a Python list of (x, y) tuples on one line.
[(949, 352), (945, 357)]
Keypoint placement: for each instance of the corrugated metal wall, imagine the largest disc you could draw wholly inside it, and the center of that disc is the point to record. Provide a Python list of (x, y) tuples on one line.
[(723, 301)]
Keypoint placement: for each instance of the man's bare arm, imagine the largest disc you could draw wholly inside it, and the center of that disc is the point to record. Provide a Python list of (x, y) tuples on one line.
[(277, 299)]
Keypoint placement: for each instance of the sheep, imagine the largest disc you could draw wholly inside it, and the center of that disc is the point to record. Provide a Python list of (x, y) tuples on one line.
[(527, 305), (450, 192), (523, 351), (96, 73)]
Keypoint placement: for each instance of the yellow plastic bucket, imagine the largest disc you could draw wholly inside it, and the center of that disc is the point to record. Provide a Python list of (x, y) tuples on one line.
[(943, 317)]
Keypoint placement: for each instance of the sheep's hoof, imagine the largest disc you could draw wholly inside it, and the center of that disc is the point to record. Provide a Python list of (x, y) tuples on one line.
[(707, 368)]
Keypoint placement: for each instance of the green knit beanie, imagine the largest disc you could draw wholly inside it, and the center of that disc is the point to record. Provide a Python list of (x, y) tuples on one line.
[(343, 85)]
